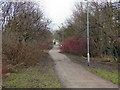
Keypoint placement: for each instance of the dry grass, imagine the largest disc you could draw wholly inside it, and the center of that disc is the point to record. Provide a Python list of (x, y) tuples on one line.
[(39, 76)]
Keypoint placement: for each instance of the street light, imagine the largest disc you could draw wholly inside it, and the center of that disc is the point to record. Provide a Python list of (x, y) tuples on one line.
[(88, 54)]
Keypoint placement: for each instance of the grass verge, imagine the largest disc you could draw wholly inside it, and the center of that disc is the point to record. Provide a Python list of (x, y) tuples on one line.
[(106, 70), (40, 76), (109, 75)]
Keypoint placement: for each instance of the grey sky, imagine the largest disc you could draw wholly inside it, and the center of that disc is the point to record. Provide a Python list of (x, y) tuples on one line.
[(59, 10)]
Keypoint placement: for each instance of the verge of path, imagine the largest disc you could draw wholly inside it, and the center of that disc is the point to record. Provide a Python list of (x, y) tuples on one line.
[(73, 75), (38, 76)]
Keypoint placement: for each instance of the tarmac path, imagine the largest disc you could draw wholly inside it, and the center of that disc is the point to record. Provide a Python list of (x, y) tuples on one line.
[(73, 75)]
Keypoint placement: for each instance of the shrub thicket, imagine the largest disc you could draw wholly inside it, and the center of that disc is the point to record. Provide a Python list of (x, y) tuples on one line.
[(25, 35)]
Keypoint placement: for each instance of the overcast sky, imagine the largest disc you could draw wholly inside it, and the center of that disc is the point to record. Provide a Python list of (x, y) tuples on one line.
[(58, 10)]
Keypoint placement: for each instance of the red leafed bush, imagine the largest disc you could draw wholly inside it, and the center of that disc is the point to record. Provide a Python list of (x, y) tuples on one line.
[(42, 47), (74, 46), (5, 69)]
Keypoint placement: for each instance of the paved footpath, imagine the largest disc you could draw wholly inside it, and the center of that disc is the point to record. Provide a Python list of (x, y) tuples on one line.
[(73, 75)]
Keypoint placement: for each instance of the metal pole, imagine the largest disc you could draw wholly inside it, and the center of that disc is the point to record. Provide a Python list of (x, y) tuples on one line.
[(88, 55)]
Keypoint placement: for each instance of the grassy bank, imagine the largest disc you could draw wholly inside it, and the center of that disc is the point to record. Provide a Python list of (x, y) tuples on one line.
[(109, 75), (40, 76), (107, 70)]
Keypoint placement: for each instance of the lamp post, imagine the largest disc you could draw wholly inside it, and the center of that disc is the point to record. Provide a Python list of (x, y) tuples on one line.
[(88, 54)]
